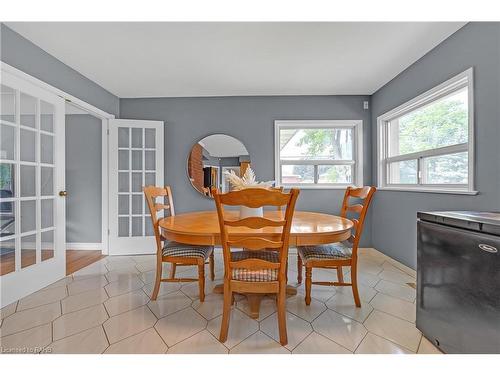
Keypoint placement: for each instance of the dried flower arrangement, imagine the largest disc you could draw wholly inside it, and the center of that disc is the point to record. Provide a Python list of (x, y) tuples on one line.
[(247, 181)]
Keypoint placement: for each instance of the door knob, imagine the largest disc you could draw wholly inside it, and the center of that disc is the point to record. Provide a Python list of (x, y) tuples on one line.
[(63, 193)]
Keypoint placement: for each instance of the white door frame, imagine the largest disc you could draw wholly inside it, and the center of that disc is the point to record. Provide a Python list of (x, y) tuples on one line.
[(94, 111), (104, 244)]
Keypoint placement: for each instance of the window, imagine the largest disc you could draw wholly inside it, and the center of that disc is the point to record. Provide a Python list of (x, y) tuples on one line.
[(318, 154), (426, 144)]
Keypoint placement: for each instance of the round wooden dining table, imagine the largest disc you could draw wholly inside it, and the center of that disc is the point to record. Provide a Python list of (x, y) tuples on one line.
[(308, 228)]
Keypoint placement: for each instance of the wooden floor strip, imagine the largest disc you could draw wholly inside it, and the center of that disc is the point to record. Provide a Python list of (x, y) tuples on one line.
[(75, 259)]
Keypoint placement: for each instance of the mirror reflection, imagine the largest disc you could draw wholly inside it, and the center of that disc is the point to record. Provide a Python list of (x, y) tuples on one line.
[(211, 157)]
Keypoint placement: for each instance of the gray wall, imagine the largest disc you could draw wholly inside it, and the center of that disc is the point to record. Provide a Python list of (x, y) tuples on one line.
[(394, 213), (83, 178), (22, 54), (251, 120)]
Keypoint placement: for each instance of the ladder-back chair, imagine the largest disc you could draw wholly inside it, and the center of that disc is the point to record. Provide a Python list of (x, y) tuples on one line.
[(175, 253), (338, 255), (261, 266)]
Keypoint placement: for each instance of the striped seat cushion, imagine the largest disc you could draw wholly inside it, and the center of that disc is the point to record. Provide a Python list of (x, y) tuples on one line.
[(176, 249), (243, 274), (330, 251)]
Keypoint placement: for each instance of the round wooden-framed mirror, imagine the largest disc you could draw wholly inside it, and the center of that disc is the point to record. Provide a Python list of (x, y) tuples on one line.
[(213, 155)]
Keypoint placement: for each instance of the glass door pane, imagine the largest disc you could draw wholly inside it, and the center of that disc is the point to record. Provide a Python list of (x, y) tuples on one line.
[(28, 110), (8, 104)]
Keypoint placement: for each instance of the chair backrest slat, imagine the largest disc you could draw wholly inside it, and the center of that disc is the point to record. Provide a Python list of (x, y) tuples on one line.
[(255, 222), (160, 207), (355, 207), (361, 192), (255, 243), (254, 198), (254, 264)]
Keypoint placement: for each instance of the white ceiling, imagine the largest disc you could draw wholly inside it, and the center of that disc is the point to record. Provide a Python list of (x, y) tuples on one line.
[(222, 145), (156, 59)]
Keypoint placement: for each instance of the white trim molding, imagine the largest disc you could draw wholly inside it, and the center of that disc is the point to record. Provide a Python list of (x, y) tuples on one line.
[(105, 186), (68, 97), (449, 87), (356, 162), (84, 246)]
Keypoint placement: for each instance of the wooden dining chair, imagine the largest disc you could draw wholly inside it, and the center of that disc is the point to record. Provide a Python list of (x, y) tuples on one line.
[(338, 255), (261, 266), (175, 253)]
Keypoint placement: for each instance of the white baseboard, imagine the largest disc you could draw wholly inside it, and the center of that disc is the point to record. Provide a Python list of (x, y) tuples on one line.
[(83, 246)]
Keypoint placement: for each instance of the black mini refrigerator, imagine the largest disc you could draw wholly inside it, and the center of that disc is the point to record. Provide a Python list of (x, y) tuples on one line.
[(458, 280)]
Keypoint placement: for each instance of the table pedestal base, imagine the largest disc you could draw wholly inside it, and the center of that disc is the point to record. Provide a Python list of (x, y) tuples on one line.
[(255, 298)]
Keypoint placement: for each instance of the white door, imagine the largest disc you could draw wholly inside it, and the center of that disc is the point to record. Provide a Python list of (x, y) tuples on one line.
[(32, 214), (135, 160)]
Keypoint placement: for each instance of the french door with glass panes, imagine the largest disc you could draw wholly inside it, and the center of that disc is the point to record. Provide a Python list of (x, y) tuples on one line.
[(135, 160), (32, 217)]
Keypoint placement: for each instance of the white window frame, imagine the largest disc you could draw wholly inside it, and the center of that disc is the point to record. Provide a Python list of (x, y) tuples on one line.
[(357, 162), (460, 81)]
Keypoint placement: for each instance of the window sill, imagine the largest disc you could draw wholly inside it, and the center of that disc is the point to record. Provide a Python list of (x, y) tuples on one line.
[(315, 187), (435, 191)]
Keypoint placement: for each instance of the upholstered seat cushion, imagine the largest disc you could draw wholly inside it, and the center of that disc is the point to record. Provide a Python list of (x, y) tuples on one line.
[(243, 274), (341, 250), (176, 249)]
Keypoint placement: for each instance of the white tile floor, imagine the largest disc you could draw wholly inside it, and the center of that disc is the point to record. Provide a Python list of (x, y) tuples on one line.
[(105, 308)]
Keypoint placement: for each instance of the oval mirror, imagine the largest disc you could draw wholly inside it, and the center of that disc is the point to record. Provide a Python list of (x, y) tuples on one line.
[(211, 157)]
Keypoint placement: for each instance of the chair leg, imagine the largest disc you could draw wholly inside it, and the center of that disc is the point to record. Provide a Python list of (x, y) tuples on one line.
[(354, 282), (281, 302), (340, 275), (226, 312), (299, 269), (156, 289), (308, 284), (212, 266), (173, 267), (201, 281)]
